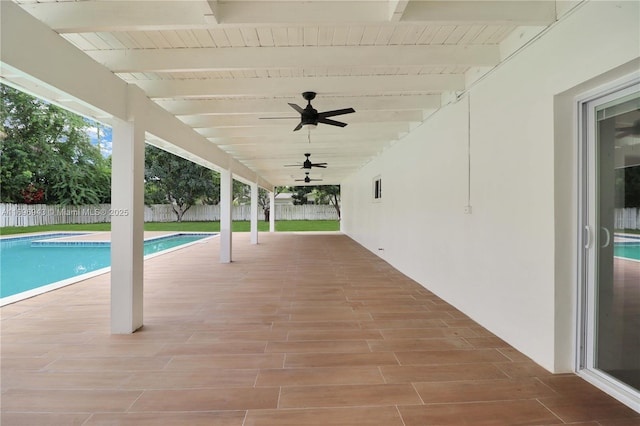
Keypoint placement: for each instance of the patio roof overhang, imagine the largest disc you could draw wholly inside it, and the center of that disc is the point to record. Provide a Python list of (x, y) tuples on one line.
[(197, 78), (206, 73)]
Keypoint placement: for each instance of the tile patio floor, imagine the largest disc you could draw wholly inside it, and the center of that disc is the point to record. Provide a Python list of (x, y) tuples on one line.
[(298, 330)]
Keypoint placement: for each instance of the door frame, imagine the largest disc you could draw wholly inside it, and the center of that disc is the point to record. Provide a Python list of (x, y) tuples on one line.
[(586, 220)]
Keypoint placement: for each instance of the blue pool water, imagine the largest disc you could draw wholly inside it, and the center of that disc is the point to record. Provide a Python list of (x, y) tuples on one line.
[(27, 263), (629, 250)]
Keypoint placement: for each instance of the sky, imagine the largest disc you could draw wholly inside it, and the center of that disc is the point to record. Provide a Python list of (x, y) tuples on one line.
[(104, 141)]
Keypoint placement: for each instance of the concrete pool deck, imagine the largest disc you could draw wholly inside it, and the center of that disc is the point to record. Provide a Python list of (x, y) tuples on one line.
[(297, 330)]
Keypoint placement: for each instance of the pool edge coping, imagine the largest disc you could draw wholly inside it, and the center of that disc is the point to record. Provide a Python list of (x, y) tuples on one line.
[(78, 278)]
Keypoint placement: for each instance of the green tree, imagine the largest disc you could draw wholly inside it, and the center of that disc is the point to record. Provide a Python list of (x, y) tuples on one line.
[(46, 150), (265, 203), (323, 194), (175, 180), (328, 194), (212, 197), (241, 193), (299, 194)]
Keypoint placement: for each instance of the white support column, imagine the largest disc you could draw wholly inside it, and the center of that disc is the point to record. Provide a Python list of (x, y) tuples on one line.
[(272, 212), (127, 227), (226, 199), (254, 213)]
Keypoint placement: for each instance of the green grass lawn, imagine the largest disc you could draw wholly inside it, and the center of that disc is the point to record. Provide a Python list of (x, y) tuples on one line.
[(238, 226)]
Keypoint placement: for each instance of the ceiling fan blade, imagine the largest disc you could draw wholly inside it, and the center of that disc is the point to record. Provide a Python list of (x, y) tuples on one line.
[(331, 122), (298, 127), (335, 112), (278, 118), (320, 165), (296, 107), (293, 165)]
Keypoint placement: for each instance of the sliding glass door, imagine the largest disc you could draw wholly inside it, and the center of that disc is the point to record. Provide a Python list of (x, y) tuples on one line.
[(611, 240)]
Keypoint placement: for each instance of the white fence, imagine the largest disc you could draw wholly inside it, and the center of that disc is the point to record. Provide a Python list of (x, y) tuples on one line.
[(628, 218), (42, 214)]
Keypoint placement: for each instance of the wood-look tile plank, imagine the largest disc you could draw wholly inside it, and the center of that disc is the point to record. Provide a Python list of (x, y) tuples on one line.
[(216, 348), (428, 333), (108, 363), (208, 418), (522, 369), (90, 380), (409, 345), (450, 357), (321, 316), (243, 361), (67, 401), (209, 399), (340, 360), (320, 346), (316, 325), (526, 412), (319, 376), (426, 315), (31, 419), (487, 342), (347, 395), (350, 416), (334, 335), (440, 373), (482, 390), (189, 379), (632, 421), (585, 408), (402, 323), (237, 336)]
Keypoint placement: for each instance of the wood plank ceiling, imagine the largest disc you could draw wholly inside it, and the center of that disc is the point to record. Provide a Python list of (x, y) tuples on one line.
[(223, 66)]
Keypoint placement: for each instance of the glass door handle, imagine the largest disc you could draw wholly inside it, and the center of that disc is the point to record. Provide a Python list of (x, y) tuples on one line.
[(587, 232), (607, 234)]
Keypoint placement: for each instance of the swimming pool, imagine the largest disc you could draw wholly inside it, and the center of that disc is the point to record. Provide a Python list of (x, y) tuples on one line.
[(628, 250), (35, 264)]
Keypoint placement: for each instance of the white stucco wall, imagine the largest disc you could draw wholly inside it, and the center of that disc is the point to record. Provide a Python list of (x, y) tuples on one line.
[(499, 264)]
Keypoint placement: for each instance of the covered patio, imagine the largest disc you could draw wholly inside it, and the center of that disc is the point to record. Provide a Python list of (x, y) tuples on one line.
[(472, 115), (303, 329)]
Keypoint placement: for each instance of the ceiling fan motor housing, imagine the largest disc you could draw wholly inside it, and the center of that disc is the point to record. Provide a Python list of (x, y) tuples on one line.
[(309, 116)]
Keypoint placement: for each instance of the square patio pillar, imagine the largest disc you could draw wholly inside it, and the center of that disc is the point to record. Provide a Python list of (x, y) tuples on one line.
[(272, 210), (254, 213), (127, 227), (226, 198)]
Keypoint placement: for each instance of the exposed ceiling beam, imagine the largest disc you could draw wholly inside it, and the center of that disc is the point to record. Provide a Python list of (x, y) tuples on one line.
[(279, 106), (251, 58), (96, 16), (490, 12), (103, 16), (294, 12), (211, 88), (396, 9), (213, 17)]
